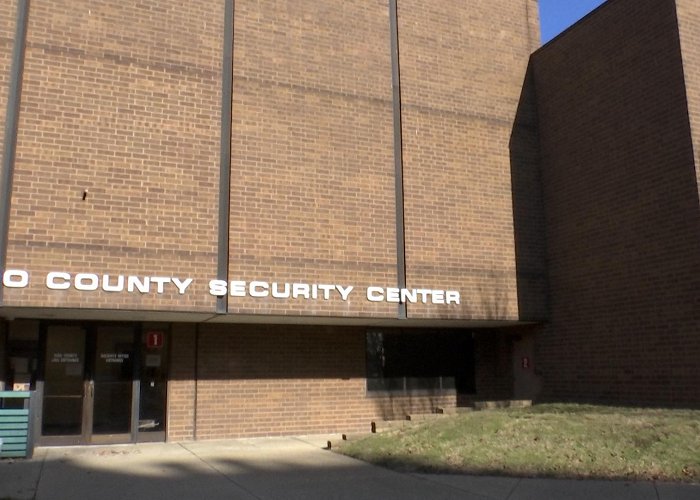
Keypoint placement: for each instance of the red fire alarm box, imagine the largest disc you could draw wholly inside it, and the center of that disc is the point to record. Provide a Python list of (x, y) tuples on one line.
[(154, 339), (526, 362)]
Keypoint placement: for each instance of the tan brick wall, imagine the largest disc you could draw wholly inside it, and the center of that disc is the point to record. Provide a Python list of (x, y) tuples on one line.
[(622, 212), (462, 70), (312, 181), (256, 380), (8, 18), (121, 99), (688, 14), (532, 13)]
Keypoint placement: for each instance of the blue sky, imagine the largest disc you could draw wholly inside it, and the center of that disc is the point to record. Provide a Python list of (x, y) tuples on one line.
[(557, 15)]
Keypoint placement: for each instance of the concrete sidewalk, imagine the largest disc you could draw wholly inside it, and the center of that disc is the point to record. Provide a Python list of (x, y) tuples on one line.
[(274, 468)]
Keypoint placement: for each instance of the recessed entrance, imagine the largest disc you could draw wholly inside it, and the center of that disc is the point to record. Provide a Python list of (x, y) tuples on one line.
[(103, 383)]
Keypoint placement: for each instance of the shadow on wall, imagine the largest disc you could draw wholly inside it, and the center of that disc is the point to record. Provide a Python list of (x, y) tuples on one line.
[(493, 379), (494, 301), (528, 207), (491, 300), (301, 372)]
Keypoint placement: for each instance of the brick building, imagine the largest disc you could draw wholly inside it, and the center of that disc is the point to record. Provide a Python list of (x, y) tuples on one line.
[(617, 101), (225, 220)]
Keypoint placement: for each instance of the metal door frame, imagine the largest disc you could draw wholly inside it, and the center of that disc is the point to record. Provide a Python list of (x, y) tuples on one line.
[(87, 437)]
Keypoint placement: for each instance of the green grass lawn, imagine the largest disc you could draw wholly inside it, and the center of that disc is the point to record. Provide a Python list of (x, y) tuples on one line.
[(554, 440)]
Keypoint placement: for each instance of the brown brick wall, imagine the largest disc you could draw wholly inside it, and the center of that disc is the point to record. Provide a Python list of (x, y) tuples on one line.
[(493, 362), (8, 17), (462, 70), (528, 208), (688, 13), (622, 212), (181, 383), (121, 99), (257, 380), (312, 178)]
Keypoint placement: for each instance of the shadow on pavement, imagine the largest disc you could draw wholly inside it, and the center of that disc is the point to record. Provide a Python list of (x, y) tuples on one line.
[(272, 469)]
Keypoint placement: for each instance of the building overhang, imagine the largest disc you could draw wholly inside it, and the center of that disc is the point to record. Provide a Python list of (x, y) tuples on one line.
[(81, 314)]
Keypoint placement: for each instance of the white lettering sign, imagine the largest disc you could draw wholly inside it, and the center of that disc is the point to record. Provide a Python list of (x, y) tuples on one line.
[(13, 278), (411, 296), (65, 357), (261, 289), (89, 282), (114, 357), (119, 283)]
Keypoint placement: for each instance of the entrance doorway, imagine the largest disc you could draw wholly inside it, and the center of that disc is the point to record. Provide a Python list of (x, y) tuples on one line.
[(102, 384)]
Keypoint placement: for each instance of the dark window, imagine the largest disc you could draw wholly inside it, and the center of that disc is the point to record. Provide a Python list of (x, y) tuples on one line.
[(430, 360)]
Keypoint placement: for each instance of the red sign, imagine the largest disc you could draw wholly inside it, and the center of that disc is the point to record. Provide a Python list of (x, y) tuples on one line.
[(154, 340)]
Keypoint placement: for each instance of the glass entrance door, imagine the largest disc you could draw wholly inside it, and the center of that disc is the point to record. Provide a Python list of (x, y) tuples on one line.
[(111, 384), (90, 383), (64, 384)]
